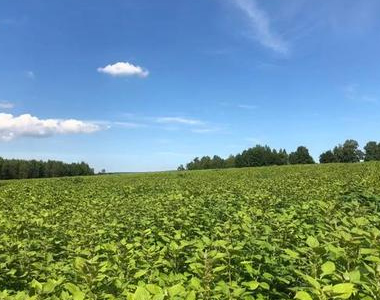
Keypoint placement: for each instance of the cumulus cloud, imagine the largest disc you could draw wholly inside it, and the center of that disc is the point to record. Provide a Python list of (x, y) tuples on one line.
[(12, 127), (124, 69), (178, 120), (261, 26), (6, 105)]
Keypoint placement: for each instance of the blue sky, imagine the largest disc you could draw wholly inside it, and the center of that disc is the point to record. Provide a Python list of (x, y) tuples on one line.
[(141, 85)]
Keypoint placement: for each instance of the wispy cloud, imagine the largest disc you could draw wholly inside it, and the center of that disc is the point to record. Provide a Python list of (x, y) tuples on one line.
[(129, 124), (205, 130), (246, 106), (352, 92), (124, 69), (239, 105), (30, 74), (6, 105), (26, 125), (178, 120), (260, 24), (168, 123)]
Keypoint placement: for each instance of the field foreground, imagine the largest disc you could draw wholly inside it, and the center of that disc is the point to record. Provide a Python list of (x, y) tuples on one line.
[(304, 232)]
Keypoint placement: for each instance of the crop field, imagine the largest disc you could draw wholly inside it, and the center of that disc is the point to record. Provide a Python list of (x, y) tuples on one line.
[(293, 232)]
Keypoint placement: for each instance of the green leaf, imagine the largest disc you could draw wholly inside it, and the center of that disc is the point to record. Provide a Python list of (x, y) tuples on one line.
[(154, 289), (291, 253), (191, 296), (176, 290), (328, 268), (219, 269), (355, 276), (36, 285), (312, 242), (195, 283), (343, 290), (75, 291), (252, 285), (313, 282), (49, 286), (302, 295), (265, 285), (141, 294), (140, 273)]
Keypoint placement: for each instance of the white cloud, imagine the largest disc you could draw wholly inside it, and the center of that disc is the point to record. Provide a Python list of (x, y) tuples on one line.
[(12, 127), (205, 130), (178, 120), (261, 25), (6, 105), (124, 69), (246, 106), (129, 124)]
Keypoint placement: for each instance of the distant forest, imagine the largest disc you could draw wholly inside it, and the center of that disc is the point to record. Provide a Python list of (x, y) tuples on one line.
[(22, 169), (348, 152)]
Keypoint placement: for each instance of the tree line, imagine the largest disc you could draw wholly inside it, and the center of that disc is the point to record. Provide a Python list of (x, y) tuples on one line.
[(348, 152), (23, 169)]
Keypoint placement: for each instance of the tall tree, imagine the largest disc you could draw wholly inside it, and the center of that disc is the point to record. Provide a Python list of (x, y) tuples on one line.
[(301, 156), (22, 169), (372, 151), (327, 157), (349, 152), (230, 162)]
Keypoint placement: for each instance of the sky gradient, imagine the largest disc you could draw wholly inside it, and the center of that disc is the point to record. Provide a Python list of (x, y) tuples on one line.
[(141, 85)]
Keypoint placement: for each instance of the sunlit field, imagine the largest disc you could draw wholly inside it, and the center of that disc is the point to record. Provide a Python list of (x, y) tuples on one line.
[(304, 232)]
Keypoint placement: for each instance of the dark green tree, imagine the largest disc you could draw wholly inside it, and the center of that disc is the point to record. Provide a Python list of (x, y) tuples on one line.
[(301, 156), (230, 162), (327, 157), (349, 152), (372, 151)]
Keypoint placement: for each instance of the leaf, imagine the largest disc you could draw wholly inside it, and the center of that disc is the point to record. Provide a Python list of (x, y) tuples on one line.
[(312, 242), (219, 269), (140, 273), (252, 285), (176, 290), (48, 287), (313, 282), (265, 285), (195, 283), (291, 253), (154, 289), (355, 276), (328, 268), (75, 291), (365, 251), (343, 290), (302, 295), (141, 294), (191, 296), (36, 285)]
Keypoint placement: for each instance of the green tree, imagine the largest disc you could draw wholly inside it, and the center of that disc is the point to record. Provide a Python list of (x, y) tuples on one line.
[(372, 151), (301, 156), (230, 162), (327, 157), (349, 152)]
